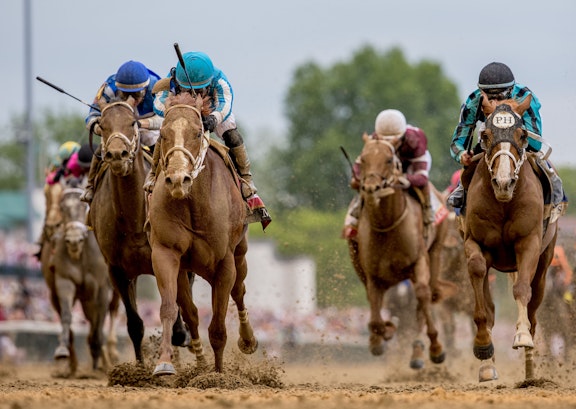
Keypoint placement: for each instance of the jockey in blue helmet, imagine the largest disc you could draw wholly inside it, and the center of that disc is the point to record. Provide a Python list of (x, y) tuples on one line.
[(132, 80), (201, 76)]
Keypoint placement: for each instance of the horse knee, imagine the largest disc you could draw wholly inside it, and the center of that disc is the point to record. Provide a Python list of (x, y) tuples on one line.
[(476, 267)]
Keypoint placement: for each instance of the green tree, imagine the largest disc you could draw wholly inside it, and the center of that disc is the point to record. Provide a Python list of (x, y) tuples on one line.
[(51, 130), (329, 108)]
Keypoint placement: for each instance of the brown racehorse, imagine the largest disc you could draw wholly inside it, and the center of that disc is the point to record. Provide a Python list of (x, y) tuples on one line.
[(197, 220), (503, 229), (390, 246), (80, 273), (118, 211)]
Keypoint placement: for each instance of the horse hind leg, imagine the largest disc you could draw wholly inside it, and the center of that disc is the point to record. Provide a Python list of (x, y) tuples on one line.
[(247, 343)]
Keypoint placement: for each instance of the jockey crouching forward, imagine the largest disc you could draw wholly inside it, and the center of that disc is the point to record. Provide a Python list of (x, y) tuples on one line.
[(496, 82), (132, 80), (412, 149), (204, 79)]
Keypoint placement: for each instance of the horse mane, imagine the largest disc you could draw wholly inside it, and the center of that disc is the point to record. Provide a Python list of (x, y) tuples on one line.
[(186, 98)]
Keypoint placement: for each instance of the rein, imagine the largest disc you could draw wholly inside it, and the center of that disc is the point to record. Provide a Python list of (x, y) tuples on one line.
[(133, 143), (198, 160)]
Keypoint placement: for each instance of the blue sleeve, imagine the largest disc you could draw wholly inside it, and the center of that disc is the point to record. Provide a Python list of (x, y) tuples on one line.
[(469, 115)]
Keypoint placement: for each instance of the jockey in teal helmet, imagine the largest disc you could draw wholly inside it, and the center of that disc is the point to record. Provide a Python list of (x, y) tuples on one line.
[(200, 75), (132, 80)]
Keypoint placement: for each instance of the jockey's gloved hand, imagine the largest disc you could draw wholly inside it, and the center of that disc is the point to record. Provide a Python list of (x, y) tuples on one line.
[(209, 123)]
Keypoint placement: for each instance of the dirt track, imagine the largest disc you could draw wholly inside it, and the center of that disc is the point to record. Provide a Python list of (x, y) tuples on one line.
[(259, 382)]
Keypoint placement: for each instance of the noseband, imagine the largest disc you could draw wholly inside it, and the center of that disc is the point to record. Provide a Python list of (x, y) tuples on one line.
[(198, 160)]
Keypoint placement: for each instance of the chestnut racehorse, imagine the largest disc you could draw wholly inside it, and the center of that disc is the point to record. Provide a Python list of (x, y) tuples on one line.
[(198, 223), (118, 211), (390, 246), (504, 228)]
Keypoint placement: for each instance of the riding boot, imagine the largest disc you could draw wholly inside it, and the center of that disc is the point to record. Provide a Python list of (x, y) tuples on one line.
[(151, 176), (88, 194), (559, 199), (240, 158), (456, 198)]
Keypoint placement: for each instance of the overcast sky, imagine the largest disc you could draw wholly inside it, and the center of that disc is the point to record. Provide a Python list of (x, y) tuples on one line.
[(258, 44)]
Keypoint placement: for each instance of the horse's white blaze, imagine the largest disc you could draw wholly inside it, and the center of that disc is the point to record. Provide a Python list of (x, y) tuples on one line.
[(505, 170), (179, 159)]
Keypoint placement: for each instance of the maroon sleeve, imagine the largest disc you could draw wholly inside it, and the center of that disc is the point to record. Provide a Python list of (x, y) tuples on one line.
[(415, 142)]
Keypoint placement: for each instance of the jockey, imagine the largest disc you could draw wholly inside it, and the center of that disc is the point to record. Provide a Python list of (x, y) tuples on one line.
[(412, 149), (204, 79), (497, 82), (61, 166), (134, 80)]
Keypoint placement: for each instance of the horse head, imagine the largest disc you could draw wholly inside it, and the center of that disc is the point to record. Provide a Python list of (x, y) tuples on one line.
[(184, 143), (73, 214), (380, 168), (53, 220), (118, 125), (504, 141)]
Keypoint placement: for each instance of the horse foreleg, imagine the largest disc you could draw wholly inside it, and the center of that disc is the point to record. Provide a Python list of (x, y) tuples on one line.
[(477, 271), (423, 294), (112, 354), (379, 330), (127, 290), (190, 316), (166, 264), (65, 291)]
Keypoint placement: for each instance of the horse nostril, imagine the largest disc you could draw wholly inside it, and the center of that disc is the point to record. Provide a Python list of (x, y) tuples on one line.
[(125, 154), (108, 156)]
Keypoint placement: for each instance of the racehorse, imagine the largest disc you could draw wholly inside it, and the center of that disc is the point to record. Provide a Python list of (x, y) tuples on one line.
[(504, 228), (390, 246), (197, 221), (79, 273), (118, 211)]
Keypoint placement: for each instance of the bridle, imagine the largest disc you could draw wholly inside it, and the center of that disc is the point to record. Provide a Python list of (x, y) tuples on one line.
[(490, 159), (390, 185), (198, 160), (131, 143)]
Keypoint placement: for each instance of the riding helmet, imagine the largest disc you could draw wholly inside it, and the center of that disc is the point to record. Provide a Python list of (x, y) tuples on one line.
[(85, 155), (390, 123), (66, 150), (132, 76), (495, 75), (199, 68)]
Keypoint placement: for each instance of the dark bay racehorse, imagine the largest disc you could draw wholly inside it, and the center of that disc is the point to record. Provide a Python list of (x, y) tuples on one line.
[(504, 228), (79, 274), (197, 218), (390, 246), (118, 210)]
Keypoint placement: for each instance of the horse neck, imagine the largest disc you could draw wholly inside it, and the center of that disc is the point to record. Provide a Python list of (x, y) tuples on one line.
[(387, 211), (128, 191)]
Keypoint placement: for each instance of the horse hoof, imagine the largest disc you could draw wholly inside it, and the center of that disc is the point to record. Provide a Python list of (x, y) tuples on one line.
[(416, 363), (523, 340), (248, 347), (487, 372), (164, 368), (484, 352), (438, 359), (417, 360), (61, 352)]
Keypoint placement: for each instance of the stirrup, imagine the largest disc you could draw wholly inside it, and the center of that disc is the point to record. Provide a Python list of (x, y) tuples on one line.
[(258, 212)]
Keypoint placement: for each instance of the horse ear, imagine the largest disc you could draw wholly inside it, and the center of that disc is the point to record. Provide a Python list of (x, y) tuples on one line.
[(131, 101), (365, 137), (488, 106), (524, 105)]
